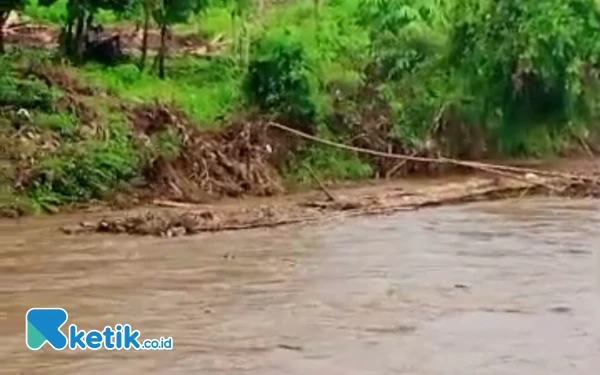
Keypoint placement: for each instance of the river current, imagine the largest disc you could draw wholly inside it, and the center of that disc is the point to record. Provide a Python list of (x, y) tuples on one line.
[(502, 288)]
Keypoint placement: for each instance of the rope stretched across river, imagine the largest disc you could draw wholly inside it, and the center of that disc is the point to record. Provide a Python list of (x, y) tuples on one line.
[(423, 159)]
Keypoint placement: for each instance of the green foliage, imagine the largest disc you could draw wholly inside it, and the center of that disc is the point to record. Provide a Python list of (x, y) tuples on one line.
[(280, 77), (522, 75), (544, 74), (90, 5), (541, 72), (63, 124), (328, 164), (513, 69), (167, 144), (26, 93), (169, 12), (402, 35), (86, 171), (215, 20), (127, 74), (55, 12), (207, 91)]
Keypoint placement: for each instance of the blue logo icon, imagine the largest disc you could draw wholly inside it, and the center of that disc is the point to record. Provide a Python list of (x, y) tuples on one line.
[(43, 326)]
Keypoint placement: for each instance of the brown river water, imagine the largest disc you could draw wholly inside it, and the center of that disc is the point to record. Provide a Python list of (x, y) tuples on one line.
[(506, 288)]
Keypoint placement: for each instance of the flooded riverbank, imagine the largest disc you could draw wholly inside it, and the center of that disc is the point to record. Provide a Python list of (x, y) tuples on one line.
[(509, 287)]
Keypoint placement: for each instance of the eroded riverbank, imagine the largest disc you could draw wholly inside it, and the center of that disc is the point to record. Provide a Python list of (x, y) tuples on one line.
[(569, 179)]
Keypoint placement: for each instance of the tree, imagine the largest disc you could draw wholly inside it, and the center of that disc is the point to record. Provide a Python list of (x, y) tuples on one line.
[(80, 15), (168, 13), (7, 6), (240, 13), (148, 9)]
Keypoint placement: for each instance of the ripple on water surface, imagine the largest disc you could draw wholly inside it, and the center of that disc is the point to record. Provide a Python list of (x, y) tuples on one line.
[(497, 288)]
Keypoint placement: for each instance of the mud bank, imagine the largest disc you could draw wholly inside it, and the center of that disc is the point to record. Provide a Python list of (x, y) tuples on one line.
[(172, 219)]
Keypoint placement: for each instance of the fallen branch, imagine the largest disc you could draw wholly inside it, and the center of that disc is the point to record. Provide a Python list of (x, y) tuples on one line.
[(330, 196), (516, 177), (587, 149), (471, 164), (397, 167), (172, 204)]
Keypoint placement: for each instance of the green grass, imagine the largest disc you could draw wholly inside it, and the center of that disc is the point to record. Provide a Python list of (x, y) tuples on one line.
[(216, 20), (55, 13), (65, 125), (207, 91)]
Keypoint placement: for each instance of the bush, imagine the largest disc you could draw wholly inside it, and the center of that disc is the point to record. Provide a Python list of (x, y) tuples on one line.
[(529, 63), (401, 35), (509, 70), (281, 79)]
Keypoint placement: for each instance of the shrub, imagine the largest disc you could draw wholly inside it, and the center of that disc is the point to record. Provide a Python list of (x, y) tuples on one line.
[(402, 34), (509, 70), (530, 63), (281, 79)]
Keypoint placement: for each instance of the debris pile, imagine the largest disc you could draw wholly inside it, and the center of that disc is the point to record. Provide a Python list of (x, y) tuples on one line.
[(233, 162), (378, 202), (165, 224)]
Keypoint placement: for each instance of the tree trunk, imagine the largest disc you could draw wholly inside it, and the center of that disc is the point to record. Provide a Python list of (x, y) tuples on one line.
[(163, 51), (3, 18), (89, 21), (145, 38), (235, 38), (245, 52), (66, 40), (66, 36), (79, 38)]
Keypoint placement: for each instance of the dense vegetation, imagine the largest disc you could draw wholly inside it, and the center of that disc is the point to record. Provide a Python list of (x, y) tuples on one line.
[(462, 78)]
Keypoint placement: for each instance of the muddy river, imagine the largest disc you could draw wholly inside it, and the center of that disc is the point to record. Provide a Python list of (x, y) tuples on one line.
[(505, 288)]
